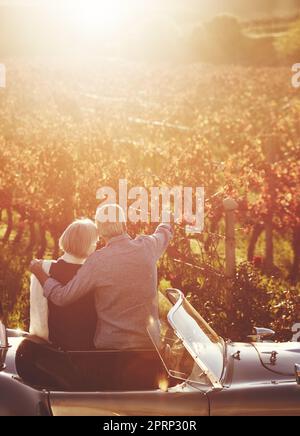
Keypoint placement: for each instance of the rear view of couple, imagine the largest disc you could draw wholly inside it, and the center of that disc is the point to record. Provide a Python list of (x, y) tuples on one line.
[(99, 299)]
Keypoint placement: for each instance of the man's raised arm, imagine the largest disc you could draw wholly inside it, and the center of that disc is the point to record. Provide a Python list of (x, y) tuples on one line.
[(80, 285), (160, 239)]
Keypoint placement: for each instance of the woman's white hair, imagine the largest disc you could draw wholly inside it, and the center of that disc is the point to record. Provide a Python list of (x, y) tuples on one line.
[(79, 239), (110, 220)]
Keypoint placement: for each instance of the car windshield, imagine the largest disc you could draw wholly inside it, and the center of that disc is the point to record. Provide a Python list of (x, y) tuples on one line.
[(176, 359), (189, 347)]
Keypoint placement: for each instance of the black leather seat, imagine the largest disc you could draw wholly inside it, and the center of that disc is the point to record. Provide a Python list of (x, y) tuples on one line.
[(40, 364)]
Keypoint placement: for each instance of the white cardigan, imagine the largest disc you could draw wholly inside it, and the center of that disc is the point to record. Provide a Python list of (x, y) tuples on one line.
[(39, 304)]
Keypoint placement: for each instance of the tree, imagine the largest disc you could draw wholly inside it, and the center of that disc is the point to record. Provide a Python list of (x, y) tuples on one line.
[(288, 45)]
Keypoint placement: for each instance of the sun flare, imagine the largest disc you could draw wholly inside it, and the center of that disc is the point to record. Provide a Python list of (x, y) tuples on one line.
[(103, 17)]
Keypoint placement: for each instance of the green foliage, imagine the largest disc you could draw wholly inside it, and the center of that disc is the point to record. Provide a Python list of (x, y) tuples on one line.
[(224, 41), (251, 299), (288, 45), (218, 41), (14, 287)]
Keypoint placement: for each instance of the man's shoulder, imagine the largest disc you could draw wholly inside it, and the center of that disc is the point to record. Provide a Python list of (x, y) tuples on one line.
[(99, 256)]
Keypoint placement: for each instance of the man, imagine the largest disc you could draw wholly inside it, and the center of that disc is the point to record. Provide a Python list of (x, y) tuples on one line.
[(124, 277)]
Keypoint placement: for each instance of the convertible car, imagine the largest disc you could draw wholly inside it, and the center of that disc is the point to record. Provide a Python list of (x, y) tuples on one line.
[(190, 371)]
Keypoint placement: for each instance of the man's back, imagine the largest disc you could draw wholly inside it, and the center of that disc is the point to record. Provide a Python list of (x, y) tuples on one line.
[(129, 298)]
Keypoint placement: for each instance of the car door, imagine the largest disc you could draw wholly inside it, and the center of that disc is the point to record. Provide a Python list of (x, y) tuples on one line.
[(182, 400), (264, 399)]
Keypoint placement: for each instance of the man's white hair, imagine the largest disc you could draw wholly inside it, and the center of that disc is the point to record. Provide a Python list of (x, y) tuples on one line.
[(111, 221)]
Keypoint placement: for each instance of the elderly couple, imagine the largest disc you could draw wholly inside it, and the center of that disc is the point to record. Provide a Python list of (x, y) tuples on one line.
[(99, 299)]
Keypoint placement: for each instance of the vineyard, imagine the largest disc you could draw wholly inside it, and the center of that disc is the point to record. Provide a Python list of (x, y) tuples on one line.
[(67, 131)]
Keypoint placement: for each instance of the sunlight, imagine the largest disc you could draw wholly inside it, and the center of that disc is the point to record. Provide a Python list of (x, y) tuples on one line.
[(163, 384), (92, 17)]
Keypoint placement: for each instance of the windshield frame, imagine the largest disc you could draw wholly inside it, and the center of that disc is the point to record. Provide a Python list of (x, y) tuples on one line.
[(214, 380)]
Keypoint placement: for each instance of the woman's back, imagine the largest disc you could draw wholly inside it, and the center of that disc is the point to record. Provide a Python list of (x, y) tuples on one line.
[(72, 327)]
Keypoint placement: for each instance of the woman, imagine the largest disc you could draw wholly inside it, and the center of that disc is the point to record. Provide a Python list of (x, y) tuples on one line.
[(70, 328)]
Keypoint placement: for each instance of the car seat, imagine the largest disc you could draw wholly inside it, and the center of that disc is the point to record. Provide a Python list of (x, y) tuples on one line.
[(40, 364)]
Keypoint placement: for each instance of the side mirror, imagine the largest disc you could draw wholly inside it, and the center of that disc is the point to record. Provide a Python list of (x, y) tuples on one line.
[(3, 340), (297, 372), (261, 334)]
